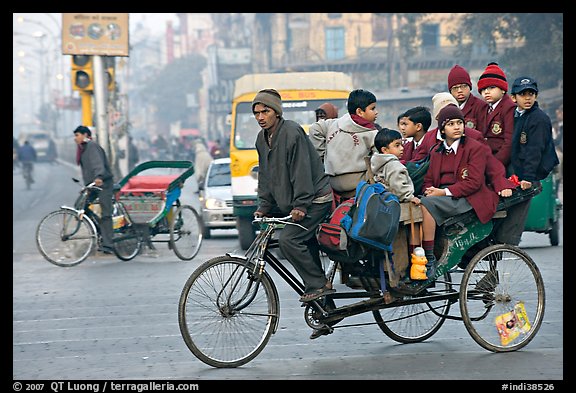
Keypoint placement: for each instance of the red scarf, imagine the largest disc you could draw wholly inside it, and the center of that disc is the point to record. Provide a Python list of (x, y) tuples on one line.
[(79, 150), (362, 122)]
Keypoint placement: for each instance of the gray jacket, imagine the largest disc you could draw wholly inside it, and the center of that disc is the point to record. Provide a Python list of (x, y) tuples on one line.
[(290, 173), (94, 164), (389, 171), (343, 144)]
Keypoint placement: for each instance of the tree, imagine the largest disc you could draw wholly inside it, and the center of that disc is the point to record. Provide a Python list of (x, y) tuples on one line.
[(167, 91), (541, 50)]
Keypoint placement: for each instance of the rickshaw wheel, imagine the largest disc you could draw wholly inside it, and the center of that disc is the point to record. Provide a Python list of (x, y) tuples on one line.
[(186, 232), (502, 298)]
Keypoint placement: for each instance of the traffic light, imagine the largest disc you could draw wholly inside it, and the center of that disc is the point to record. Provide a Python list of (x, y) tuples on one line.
[(82, 73), (110, 83), (109, 67)]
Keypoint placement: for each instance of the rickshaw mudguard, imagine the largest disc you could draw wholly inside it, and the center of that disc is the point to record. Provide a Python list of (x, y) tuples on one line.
[(459, 241)]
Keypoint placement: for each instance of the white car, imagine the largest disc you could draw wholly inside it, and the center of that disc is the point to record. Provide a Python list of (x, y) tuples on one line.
[(216, 197)]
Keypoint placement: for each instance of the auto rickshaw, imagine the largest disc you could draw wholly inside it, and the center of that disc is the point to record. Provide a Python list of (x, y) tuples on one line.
[(544, 211)]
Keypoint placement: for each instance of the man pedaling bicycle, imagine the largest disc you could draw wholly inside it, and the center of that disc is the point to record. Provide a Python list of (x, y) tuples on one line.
[(27, 156)]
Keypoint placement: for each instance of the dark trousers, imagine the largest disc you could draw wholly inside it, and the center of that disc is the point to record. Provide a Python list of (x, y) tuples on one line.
[(106, 226), (298, 246), (509, 229)]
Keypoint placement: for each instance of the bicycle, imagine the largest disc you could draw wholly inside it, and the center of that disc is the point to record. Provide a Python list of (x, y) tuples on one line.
[(67, 236), (27, 170), (143, 207), (229, 306)]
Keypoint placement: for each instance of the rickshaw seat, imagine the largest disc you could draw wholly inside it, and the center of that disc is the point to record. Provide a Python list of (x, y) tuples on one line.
[(148, 183), (501, 210)]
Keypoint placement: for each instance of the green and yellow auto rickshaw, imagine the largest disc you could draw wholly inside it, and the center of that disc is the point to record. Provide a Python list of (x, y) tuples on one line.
[(544, 212)]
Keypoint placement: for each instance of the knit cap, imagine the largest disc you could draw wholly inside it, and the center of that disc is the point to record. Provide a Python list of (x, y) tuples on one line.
[(269, 97), (492, 76), (449, 112), (440, 100), (457, 76)]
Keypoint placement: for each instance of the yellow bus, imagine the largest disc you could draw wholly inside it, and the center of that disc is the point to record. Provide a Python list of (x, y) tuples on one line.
[(302, 93)]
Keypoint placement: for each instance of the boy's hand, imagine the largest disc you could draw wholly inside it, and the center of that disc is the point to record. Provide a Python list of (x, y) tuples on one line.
[(505, 193), (525, 184)]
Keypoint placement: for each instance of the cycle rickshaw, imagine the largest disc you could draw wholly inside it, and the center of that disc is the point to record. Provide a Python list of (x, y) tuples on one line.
[(229, 306), (146, 209)]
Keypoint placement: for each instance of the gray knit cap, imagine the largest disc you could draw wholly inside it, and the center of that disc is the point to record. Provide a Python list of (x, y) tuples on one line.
[(269, 97)]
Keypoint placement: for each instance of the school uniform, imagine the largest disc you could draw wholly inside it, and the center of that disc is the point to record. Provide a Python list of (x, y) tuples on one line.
[(410, 148), (499, 129), (533, 158), (432, 137), (462, 173), (475, 111)]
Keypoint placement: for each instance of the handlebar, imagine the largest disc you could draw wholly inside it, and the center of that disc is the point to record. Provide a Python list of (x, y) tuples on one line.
[(277, 220), (90, 186)]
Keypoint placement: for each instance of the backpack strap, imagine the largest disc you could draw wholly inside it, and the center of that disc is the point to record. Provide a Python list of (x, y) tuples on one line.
[(369, 173)]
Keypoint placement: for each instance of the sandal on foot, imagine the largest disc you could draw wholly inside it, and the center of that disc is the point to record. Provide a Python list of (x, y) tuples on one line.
[(316, 294), (323, 331)]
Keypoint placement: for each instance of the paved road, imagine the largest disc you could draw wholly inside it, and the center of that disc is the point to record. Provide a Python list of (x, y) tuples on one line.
[(107, 319)]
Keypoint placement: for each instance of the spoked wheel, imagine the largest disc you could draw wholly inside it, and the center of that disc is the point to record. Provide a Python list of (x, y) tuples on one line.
[(186, 232), (416, 322), (65, 240), (127, 243), (502, 298), (225, 317)]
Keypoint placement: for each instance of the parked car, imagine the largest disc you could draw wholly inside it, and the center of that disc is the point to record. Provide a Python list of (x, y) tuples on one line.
[(216, 197)]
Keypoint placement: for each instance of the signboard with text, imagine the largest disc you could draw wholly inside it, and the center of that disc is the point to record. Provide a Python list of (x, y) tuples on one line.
[(104, 34)]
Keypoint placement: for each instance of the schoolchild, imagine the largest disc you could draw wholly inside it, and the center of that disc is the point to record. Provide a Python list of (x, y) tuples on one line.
[(455, 181), (533, 155), (389, 170), (343, 143), (326, 111), (475, 109), (416, 122), (493, 86), (401, 123), (433, 136)]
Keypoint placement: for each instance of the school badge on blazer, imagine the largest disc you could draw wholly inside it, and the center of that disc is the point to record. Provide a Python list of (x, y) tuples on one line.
[(464, 173), (523, 137), (470, 123), (496, 128)]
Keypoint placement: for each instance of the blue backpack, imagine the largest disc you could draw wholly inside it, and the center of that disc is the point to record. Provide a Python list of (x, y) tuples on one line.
[(374, 218)]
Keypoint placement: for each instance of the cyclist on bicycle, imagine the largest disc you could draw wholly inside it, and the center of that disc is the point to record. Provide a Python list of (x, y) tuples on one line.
[(27, 156), (291, 180), (95, 168)]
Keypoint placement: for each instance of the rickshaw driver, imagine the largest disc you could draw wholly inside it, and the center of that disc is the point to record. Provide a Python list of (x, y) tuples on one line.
[(95, 168)]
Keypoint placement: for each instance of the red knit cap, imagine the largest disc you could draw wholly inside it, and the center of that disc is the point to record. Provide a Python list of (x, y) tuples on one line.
[(449, 112), (457, 76), (493, 76)]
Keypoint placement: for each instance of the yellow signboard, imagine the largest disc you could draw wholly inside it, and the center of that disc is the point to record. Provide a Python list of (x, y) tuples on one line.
[(95, 34)]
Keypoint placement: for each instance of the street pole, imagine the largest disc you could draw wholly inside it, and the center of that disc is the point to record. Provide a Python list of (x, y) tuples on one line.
[(86, 102), (101, 100)]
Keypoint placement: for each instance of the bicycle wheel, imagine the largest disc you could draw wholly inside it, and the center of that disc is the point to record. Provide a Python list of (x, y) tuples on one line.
[(65, 240), (127, 243), (416, 322), (214, 329), (502, 286), (186, 232)]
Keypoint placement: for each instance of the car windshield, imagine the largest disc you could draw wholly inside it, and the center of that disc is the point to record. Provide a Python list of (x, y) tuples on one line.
[(219, 175)]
